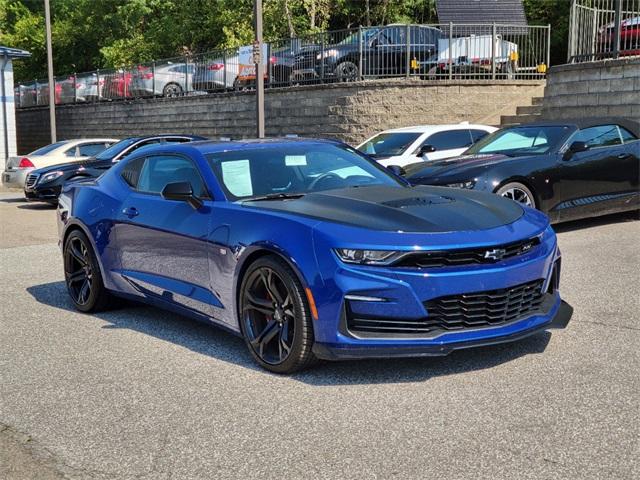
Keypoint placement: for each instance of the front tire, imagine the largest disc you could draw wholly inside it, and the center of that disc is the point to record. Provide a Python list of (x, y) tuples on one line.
[(82, 274), (347, 71), (172, 90), (275, 317), (518, 193)]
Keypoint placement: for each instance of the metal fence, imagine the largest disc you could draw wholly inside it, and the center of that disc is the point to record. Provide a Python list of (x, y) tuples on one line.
[(429, 52), (600, 29)]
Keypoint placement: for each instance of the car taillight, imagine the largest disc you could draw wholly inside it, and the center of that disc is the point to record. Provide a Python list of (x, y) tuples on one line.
[(148, 76), (25, 163), (273, 60), (216, 66)]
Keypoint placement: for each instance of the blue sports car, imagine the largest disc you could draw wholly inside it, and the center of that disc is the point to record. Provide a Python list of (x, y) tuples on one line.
[(309, 249)]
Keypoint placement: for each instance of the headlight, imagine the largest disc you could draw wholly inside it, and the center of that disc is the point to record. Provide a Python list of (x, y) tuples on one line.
[(327, 53), (469, 184), (48, 177), (367, 257)]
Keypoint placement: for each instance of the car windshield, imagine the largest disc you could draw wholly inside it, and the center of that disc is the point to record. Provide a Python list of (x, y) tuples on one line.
[(389, 144), (48, 148), (518, 141), (281, 171), (115, 149)]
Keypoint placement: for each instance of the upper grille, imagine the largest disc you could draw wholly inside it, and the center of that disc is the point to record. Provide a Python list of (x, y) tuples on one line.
[(468, 256), (459, 312), (31, 180)]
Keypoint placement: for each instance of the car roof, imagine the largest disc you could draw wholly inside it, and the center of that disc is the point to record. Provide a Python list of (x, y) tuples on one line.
[(79, 141), (166, 135), (439, 128), (630, 124), (215, 146)]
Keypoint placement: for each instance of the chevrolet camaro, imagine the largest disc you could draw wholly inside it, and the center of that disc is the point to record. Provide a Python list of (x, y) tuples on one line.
[(309, 250)]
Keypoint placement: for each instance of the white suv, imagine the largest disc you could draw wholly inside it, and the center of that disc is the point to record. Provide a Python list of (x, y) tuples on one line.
[(402, 146)]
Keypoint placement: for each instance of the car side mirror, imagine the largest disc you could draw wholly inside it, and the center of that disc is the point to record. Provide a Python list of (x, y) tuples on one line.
[(575, 147), (374, 43), (181, 191), (424, 149), (396, 170)]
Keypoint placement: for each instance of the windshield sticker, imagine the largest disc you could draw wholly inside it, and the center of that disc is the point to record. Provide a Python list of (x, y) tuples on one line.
[(236, 176), (295, 160)]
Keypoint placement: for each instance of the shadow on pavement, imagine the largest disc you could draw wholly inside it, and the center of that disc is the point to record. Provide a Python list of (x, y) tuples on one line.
[(219, 344), (37, 206), (597, 221)]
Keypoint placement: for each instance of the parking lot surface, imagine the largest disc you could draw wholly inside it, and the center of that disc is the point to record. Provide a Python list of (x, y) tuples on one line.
[(141, 393)]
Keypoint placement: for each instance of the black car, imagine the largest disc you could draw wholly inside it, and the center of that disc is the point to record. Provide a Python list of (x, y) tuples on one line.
[(383, 53), (569, 170), (45, 184)]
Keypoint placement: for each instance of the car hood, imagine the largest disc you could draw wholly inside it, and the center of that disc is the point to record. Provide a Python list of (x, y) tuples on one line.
[(453, 166), (410, 209)]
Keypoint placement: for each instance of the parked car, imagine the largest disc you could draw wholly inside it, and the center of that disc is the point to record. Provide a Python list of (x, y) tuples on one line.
[(18, 168), (629, 37), (89, 87), (168, 80), (569, 169), (384, 53), (117, 85), (269, 239), (216, 74), (45, 184), (402, 146)]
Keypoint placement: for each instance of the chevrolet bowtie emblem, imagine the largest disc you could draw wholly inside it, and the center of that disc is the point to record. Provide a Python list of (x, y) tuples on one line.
[(495, 254)]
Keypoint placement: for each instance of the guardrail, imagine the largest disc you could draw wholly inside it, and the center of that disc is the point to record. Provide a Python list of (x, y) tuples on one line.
[(600, 29), (430, 52)]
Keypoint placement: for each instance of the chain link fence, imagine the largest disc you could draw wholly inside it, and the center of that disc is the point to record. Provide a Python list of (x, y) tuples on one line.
[(429, 52), (600, 29)]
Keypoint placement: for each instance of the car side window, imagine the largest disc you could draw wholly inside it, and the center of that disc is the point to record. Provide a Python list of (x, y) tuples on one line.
[(392, 36), (477, 135), (449, 139), (159, 170), (72, 152), (91, 149), (627, 136), (600, 136), (131, 171)]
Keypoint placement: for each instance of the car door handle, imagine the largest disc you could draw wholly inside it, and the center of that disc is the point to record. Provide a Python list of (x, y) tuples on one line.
[(622, 156), (131, 212)]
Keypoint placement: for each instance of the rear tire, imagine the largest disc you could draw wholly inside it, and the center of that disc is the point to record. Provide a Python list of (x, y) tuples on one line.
[(82, 274), (275, 317), (347, 71), (517, 192), (172, 90)]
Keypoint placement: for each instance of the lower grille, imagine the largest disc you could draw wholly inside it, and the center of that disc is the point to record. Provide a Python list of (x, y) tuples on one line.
[(31, 180), (489, 308), (458, 312)]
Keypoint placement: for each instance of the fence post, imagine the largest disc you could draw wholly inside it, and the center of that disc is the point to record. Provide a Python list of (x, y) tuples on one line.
[(360, 72), (37, 93), (450, 50), (493, 51), (153, 79), (97, 84), (548, 48), (186, 75), (408, 42), (124, 83), (269, 65), (322, 58), (616, 28), (224, 70), (75, 87), (572, 33)]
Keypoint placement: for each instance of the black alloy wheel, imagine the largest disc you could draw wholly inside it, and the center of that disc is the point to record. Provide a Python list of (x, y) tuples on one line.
[(172, 90), (82, 274), (518, 193), (347, 72), (275, 316)]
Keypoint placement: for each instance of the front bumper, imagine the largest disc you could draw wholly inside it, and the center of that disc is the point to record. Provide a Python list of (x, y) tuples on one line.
[(45, 193), (15, 178), (557, 317)]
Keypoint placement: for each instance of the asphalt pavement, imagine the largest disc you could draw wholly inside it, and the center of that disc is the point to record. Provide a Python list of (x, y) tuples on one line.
[(139, 393)]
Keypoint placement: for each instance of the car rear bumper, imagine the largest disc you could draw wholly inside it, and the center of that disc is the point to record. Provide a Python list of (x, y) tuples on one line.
[(15, 178), (557, 316)]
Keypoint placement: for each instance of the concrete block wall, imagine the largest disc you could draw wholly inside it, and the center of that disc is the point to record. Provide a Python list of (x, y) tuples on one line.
[(602, 88), (349, 112)]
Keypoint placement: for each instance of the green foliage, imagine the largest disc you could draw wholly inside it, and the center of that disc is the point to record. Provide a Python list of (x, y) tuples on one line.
[(89, 34)]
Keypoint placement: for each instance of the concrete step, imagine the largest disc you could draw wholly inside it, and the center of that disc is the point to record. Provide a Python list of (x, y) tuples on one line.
[(529, 110), (508, 120)]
